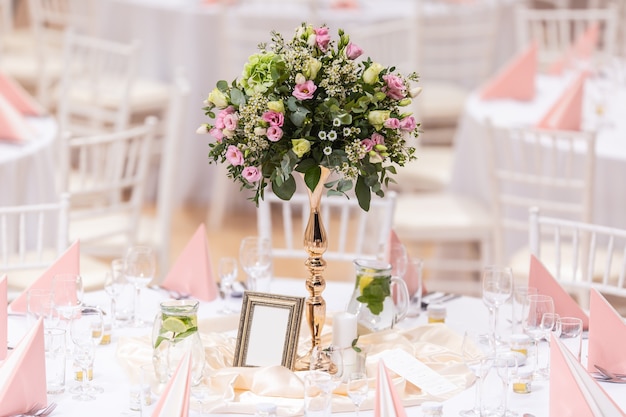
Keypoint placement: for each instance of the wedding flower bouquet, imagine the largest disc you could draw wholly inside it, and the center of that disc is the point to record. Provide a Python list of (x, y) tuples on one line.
[(306, 103)]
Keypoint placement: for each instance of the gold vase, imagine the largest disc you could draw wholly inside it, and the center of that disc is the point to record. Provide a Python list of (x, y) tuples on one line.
[(315, 244)]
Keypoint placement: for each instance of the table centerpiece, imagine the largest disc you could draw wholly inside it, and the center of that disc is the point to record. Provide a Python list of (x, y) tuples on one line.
[(312, 105)]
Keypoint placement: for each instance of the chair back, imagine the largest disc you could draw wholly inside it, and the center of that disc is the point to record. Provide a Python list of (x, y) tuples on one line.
[(584, 254), (105, 176), (352, 233), (555, 30), (532, 167), (96, 83), (33, 236)]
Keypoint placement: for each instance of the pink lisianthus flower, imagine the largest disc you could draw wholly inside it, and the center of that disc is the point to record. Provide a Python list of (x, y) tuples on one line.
[(408, 124), (305, 90), (217, 134), (230, 121), (368, 144), (378, 139), (322, 38), (219, 120), (274, 133), (251, 174), (395, 87), (234, 156), (392, 123), (274, 118), (353, 51)]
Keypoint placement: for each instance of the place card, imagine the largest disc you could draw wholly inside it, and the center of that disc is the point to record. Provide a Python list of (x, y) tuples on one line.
[(416, 372)]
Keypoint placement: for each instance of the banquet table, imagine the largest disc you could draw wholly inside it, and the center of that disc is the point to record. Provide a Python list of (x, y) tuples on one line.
[(463, 313), (469, 172), (186, 34)]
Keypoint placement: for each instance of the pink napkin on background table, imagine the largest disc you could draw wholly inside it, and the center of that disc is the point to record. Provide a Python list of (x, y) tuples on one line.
[(516, 80), (582, 49), (387, 402), (566, 113), (13, 126), (545, 283), (573, 392), (19, 98), (23, 374), (174, 401), (191, 274), (4, 324), (68, 263), (607, 336), (411, 277)]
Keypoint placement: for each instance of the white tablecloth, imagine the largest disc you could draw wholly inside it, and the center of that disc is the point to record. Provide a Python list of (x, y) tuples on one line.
[(463, 313)]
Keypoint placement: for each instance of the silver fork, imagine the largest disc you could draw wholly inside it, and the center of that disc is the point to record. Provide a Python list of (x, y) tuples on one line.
[(38, 411)]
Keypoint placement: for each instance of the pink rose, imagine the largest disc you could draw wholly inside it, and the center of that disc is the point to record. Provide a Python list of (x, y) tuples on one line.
[(368, 144), (305, 90), (274, 133), (353, 51), (217, 134), (251, 174), (408, 123), (234, 156), (322, 38), (274, 118), (230, 121), (394, 88), (378, 139), (392, 123)]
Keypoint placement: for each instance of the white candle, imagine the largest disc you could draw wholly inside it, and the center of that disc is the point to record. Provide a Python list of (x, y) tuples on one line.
[(344, 329)]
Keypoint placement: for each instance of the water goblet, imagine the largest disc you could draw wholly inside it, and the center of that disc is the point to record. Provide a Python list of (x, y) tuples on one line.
[(497, 284), (535, 307), (358, 387), (114, 281), (506, 365), (139, 269), (476, 351), (227, 271), (255, 255), (86, 331)]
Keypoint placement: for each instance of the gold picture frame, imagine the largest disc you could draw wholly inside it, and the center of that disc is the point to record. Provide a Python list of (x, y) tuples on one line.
[(269, 327)]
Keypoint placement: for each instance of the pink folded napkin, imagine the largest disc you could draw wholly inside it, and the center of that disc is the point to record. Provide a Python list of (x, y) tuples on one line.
[(387, 403), (13, 126), (19, 98), (191, 274), (68, 263), (582, 49), (606, 324), (411, 277), (23, 374), (566, 113), (4, 324), (573, 392), (174, 401), (516, 80), (545, 283)]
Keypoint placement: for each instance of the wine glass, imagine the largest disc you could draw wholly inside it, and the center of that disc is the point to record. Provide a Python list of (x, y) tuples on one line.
[(535, 307), (358, 387), (255, 255), (476, 351), (68, 295), (330, 361), (497, 288), (86, 330), (139, 269), (507, 365), (227, 271), (114, 281)]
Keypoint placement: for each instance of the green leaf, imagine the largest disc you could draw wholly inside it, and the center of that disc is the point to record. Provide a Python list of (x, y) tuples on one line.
[(237, 97), (363, 193), (285, 190), (306, 164), (312, 177), (222, 85)]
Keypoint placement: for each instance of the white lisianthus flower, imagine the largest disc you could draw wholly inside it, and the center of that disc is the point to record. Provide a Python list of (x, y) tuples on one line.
[(203, 129)]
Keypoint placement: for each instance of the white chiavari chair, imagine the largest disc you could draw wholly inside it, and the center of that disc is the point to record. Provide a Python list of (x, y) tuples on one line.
[(580, 255)]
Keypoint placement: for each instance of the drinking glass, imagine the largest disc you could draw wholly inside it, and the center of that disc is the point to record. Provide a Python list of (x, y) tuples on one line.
[(520, 292), (497, 288), (569, 330), (535, 307), (330, 361), (40, 303), (86, 330), (476, 352), (255, 255), (398, 259), (358, 387), (506, 367), (139, 269), (227, 271), (413, 280), (68, 295), (114, 281)]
